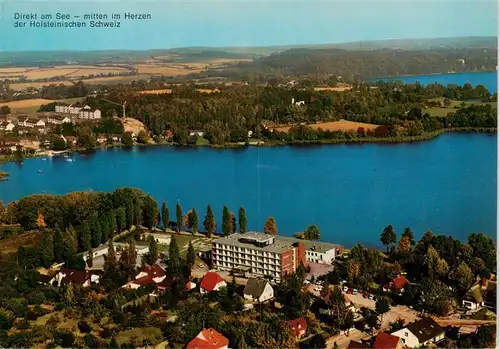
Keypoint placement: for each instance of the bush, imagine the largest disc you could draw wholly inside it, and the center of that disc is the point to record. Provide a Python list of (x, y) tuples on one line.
[(83, 326)]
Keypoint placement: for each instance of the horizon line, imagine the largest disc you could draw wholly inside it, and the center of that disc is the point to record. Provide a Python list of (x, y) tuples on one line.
[(258, 46)]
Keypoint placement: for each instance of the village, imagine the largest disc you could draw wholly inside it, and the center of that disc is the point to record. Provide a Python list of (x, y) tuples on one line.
[(258, 262)]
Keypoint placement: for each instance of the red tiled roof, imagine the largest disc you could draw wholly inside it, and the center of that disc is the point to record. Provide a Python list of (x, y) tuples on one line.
[(210, 280), (298, 325), (208, 339), (357, 345), (385, 341), (399, 282)]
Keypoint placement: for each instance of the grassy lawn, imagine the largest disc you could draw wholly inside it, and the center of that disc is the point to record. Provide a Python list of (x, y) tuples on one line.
[(137, 336), (483, 314), (202, 141), (437, 111), (183, 243)]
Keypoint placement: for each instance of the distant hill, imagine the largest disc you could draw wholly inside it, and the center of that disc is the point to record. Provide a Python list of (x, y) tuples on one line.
[(192, 54)]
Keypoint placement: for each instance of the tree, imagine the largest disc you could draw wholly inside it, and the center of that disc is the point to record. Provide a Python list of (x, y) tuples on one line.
[(404, 244), (431, 260), (317, 342), (96, 233), (85, 236), (442, 267), (58, 245), (312, 233), (165, 215), (40, 221), (178, 212), (353, 269), (242, 220), (193, 221), (463, 277), (226, 221), (127, 139), (270, 226), (190, 256), (173, 261), (90, 257), (382, 306), (105, 228), (47, 250), (233, 222), (409, 233), (484, 248), (152, 255), (121, 220), (388, 236), (209, 221)]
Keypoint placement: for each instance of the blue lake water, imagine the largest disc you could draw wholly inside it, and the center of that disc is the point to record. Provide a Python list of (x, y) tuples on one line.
[(447, 185), (487, 79)]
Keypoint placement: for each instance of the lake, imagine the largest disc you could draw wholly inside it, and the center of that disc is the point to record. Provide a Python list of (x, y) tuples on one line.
[(487, 79), (447, 184)]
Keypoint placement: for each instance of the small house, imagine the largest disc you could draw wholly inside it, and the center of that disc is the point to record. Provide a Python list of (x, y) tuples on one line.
[(387, 341), (211, 282), (396, 284), (151, 274), (298, 326), (258, 290), (481, 294), (77, 277), (208, 338), (420, 333)]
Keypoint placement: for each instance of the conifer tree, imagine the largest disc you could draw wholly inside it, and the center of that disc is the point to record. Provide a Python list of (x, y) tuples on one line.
[(193, 221), (173, 262), (111, 218), (226, 221), (242, 220), (165, 215), (209, 221), (58, 245), (178, 212), (47, 250), (121, 219), (84, 237), (90, 257), (190, 256)]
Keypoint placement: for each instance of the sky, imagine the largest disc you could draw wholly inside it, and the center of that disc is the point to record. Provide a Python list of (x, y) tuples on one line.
[(246, 23)]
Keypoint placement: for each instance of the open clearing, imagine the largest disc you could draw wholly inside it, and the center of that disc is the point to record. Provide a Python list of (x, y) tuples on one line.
[(29, 239), (452, 108), (335, 89), (170, 69), (132, 125), (341, 125)]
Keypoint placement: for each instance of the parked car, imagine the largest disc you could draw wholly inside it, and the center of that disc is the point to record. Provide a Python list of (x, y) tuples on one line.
[(306, 282), (345, 288), (371, 296), (355, 291), (365, 295), (349, 291), (318, 288), (200, 265)]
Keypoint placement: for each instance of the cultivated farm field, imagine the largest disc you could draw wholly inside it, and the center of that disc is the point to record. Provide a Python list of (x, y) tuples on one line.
[(70, 71), (24, 85)]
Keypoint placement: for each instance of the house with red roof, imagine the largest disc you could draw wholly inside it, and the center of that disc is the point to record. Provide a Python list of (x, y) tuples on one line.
[(208, 339), (211, 282), (151, 274), (396, 284), (387, 341), (77, 277), (298, 326)]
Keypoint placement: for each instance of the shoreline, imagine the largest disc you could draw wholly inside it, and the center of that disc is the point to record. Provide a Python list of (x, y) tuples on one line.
[(360, 141), (394, 78)]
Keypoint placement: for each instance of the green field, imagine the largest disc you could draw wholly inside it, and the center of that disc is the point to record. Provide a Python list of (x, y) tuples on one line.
[(452, 108)]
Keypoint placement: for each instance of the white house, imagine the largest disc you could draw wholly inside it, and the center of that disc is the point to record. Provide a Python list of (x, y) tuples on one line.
[(58, 119), (197, 133), (297, 103), (259, 290), (481, 294), (420, 333), (6, 126), (88, 113), (62, 108), (162, 239)]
